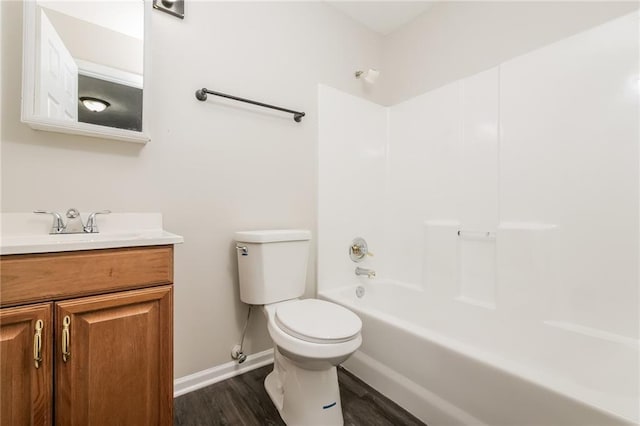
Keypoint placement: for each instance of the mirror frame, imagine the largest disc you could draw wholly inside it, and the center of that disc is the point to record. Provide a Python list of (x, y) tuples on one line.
[(28, 115)]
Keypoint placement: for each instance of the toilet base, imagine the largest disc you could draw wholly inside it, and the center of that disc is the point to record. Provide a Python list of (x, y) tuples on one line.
[(304, 397)]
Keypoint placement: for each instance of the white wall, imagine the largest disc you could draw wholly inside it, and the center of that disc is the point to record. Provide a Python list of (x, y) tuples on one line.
[(455, 39), (211, 168)]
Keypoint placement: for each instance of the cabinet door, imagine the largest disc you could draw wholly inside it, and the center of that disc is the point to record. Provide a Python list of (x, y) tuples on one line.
[(119, 364), (26, 385)]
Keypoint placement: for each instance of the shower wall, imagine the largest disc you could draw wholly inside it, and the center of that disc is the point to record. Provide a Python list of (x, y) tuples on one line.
[(352, 152), (535, 162)]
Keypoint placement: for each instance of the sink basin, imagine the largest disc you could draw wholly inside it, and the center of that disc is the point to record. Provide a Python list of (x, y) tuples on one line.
[(26, 233)]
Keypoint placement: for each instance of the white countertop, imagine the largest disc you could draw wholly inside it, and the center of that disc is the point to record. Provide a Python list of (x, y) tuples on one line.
[(22, 233)]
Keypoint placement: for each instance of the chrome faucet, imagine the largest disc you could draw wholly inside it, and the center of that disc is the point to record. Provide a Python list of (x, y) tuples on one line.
[(370, 273), (74, 223)]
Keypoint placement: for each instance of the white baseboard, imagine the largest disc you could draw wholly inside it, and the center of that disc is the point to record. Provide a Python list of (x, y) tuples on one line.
[(219, 373)]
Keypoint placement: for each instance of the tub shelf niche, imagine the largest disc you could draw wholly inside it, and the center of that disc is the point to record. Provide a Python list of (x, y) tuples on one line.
[(477, 268), (483, 267)]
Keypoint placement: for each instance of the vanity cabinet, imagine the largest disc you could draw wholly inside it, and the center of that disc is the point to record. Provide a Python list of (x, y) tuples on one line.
[(101, 323), (25, 390)]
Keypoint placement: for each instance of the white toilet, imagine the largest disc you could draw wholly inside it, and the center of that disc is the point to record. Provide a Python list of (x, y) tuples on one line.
[(311, 337)]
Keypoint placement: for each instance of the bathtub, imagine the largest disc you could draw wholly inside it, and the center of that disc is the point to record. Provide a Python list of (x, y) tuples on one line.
[(456, 364)]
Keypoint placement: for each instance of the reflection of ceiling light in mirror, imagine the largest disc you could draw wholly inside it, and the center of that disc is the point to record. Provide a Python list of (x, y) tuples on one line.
[(94, 104)]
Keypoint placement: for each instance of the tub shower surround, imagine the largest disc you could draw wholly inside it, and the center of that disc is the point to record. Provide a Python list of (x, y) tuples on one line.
[(503, 211)]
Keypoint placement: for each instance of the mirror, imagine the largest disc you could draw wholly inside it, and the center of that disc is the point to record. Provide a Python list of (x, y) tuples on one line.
[(83, 67)]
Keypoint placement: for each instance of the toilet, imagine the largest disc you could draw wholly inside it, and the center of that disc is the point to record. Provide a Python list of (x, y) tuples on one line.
[(311, 337)]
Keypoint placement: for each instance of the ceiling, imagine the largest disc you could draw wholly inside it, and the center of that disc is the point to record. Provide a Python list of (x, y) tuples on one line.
[(126, 16), (383, 17)]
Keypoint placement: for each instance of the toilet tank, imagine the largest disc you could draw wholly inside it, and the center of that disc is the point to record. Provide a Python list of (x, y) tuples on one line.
[(272, 264)]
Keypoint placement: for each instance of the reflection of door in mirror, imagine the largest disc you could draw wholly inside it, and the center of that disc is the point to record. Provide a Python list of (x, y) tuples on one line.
[(57, 85)]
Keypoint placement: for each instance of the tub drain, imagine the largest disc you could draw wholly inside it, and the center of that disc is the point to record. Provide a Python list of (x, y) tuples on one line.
[(359, 291)]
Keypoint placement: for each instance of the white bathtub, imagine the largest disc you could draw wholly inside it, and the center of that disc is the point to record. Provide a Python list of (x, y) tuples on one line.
[(457, 364)]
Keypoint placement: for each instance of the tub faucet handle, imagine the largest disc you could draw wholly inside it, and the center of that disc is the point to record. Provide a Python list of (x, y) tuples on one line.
[(358, 250)]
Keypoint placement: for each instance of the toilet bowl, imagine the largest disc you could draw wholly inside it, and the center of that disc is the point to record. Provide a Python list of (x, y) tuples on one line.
[(313, 333), (311, 337)]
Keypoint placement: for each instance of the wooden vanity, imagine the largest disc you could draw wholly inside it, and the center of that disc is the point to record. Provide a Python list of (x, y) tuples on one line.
[(87, 337)]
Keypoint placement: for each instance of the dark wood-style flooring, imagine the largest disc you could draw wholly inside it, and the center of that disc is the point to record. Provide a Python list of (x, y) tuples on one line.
[(242, 400)]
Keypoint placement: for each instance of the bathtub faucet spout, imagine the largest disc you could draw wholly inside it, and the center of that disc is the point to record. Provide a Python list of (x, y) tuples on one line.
[(370, 273)]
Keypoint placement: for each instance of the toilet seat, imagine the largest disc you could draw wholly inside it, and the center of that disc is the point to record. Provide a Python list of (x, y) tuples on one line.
[(318, 321), (301, 348)]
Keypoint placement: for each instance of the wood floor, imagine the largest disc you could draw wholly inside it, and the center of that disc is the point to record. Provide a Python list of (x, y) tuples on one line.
[(242, 400)]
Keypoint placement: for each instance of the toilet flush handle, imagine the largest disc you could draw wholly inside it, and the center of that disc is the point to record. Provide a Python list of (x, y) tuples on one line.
[(243, 250)]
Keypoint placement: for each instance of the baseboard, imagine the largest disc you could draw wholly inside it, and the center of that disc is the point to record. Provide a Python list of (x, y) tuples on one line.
[(425, 405), (219, 373)]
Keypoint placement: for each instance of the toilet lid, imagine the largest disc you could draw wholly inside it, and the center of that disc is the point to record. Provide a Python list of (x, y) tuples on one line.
[(318, 321)]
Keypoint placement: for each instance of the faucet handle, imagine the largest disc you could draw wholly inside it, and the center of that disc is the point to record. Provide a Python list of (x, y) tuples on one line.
[(72, 213), (58, 225), (358, 250), (92, 223)]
